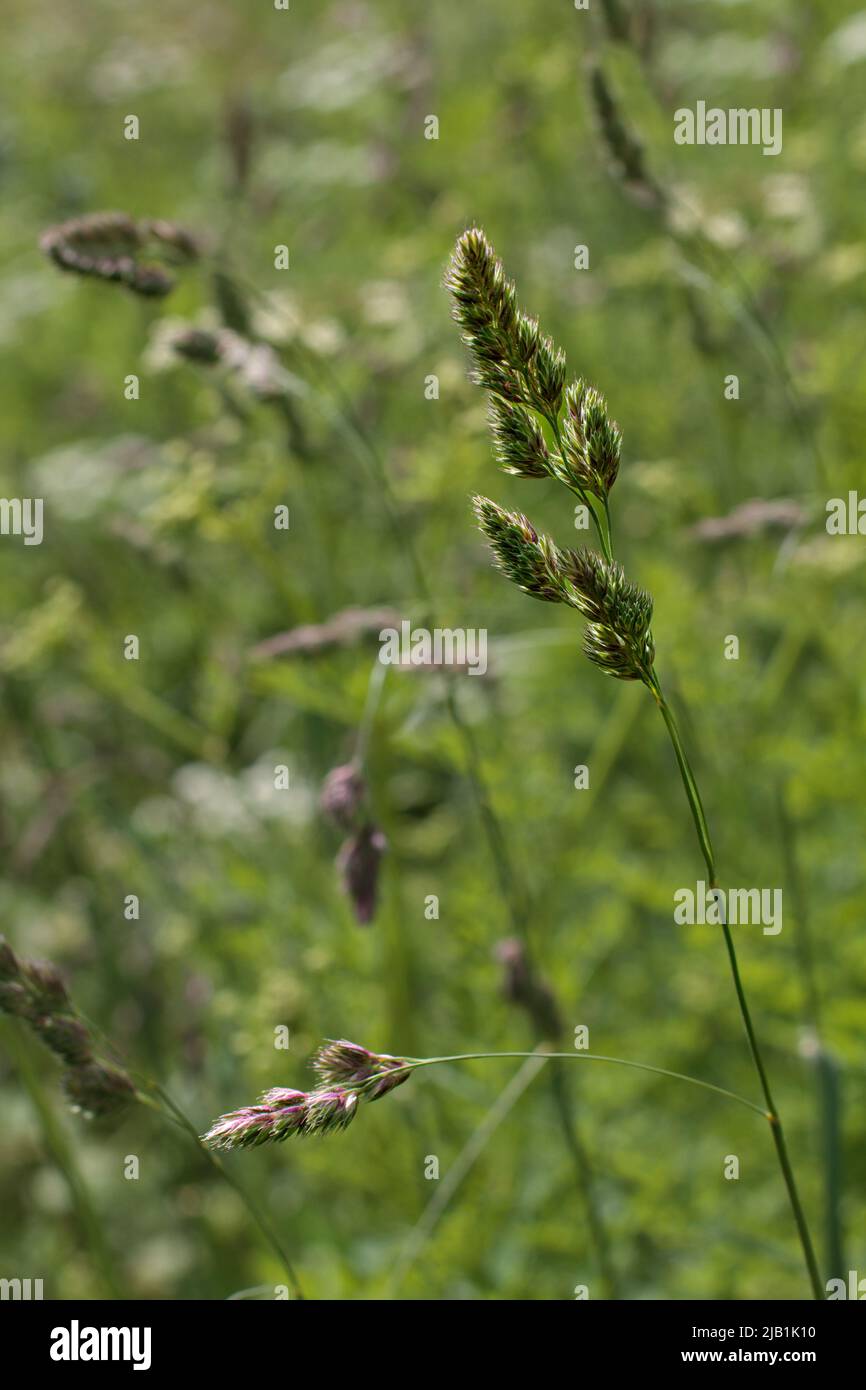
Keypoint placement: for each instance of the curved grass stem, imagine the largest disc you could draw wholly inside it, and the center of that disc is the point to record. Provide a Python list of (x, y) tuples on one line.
[(414, 1063)]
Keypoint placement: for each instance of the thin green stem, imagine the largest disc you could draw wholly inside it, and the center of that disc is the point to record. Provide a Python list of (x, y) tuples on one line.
[(696, 806), (609, 525), (413, 1063)]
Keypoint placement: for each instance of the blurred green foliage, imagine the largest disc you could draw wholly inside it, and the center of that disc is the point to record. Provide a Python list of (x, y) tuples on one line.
[(306, 128)]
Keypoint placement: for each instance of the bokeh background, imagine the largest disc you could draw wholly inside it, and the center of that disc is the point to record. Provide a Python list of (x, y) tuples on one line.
[(306, 128)]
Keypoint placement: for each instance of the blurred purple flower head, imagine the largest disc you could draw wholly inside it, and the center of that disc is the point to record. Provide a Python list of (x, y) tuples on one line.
[(343, 794), (358, 863)]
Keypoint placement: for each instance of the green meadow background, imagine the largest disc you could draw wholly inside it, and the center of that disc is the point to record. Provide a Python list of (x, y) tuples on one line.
[(155, 778)]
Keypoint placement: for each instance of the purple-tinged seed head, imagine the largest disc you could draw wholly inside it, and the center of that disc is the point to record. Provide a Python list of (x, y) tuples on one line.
[(358, 863), (241, 1129), (342, 1062), (343, 793), (47, 984), (279, 1096), (330, 1110), (97, 1090), (65, 1036)]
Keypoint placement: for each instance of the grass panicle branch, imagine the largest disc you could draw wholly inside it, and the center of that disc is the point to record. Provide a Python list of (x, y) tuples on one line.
[(351, 1073), (114, 247)]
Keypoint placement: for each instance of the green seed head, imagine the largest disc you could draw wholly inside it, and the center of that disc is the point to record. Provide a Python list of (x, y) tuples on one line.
[(511, 357), (618, 639), (518, 441), (591, 441), (528, 559)]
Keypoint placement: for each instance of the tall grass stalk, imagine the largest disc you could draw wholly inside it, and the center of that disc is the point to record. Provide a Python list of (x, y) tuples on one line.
[(524, 374), (702, 830)]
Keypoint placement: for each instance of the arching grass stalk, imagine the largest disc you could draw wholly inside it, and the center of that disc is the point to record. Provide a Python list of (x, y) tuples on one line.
[(349, 1073), (524, 373)]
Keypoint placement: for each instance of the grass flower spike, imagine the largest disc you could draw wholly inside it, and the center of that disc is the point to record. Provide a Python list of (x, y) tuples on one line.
[(348, 1074), (618, 638), (114, 247), (591, 441), (512, 358), (518, 440), (349, 1064), (528, 559)]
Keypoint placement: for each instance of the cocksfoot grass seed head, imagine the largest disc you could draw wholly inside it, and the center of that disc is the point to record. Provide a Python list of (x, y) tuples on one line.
[(512, 358), (618, 639), (111, 246), (518, 441), (330, 1110), (33, 991), (592, 442), (30, 988), (528, 559), (46, 983), (348, 1074), (97, 1090), (339, 1062), (66, 1037), (254, 1125)]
